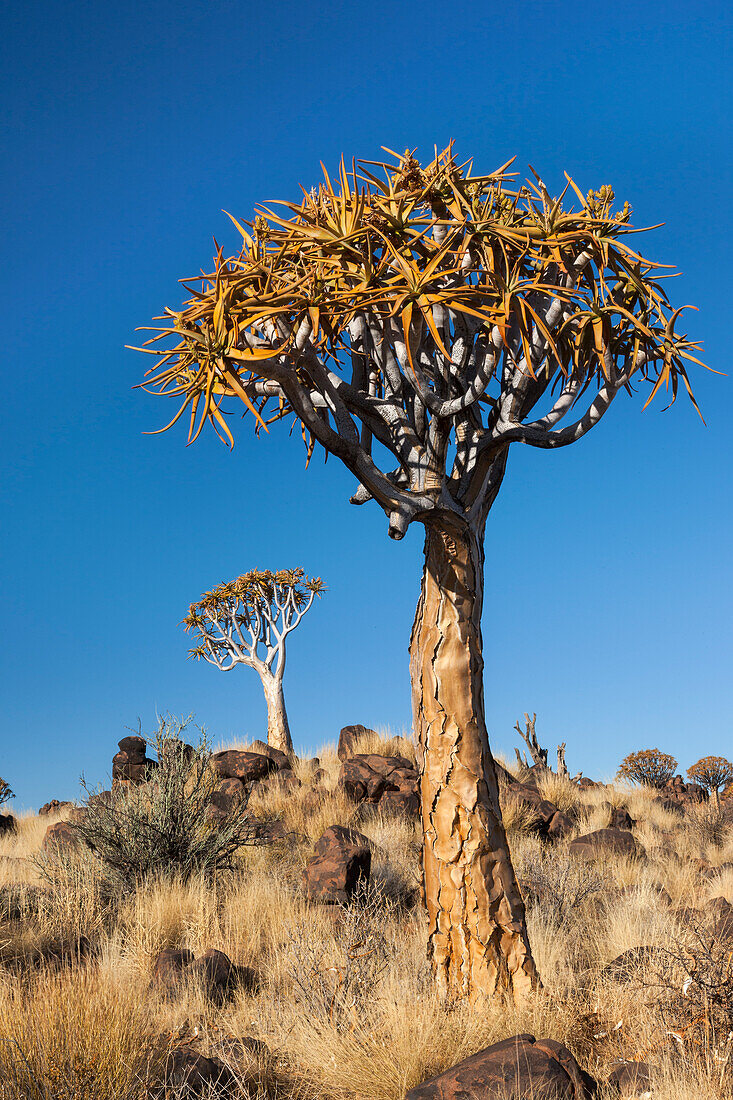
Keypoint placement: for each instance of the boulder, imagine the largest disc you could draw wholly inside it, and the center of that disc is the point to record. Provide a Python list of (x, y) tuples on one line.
[(342, 859), (605, 842), (400, 803), (173, 746), (630, 1081), (587, 784), (53, 807), (620, 818), (279, 758), (194, 1075), (626, 966), (227, 795), (348, 739), (61, 837), (544, 811), (559, 826), (720, 913), (515, 1069), (219, 976), (8, 824), (135, 747), (245, 766), (169, 969)]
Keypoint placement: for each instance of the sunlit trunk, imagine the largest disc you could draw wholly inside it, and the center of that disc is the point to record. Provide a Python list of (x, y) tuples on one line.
[(477, 932), (278, 730)]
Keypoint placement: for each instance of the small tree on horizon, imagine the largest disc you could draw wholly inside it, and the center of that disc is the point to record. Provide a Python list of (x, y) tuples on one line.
[(649, 767), (416, 325), (712, 773), (246, 622), (6, 792)]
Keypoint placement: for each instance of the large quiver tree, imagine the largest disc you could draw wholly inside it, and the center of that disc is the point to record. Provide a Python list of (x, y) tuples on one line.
[(415, 326)]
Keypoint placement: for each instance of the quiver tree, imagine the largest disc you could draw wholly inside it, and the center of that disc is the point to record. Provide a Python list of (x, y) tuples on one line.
[(416, 326), (649, 767), (713, 773), (247, 622)]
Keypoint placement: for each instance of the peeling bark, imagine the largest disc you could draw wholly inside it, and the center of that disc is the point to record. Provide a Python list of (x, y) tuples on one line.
[(278, 728), (477, 937)]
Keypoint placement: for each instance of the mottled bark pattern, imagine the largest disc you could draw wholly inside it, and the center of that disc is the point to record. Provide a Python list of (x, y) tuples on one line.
[(278, 728), (477, 935)]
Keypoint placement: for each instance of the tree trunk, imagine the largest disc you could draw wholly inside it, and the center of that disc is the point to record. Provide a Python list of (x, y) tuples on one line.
[(477, 938), (278, 730)]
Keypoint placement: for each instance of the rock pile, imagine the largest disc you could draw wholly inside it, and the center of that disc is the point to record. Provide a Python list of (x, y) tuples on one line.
[(390, 782), (214, 971), (53, 807), (131, 764)]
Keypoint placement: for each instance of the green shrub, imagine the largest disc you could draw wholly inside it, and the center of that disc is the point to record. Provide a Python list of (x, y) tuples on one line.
[(164, 826)]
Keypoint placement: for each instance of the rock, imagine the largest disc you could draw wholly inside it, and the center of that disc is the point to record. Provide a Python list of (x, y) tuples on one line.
[(125, 770), (227, 795), (8, 824), (720, 912), (677, 790), (102, 798), (559, 826), (630, 1081), (60, 837), (194, 1075), (173, 746), (528, 795), (400, 803), (348, 739), (620, 818), (135, 747), (269, 832), (219, 976), (245, 766), (587, 784), (366, 776), (53, 807), (626, 966), (342, 859), (169, 969), (604, 842), (279, 758), (515, 1069)]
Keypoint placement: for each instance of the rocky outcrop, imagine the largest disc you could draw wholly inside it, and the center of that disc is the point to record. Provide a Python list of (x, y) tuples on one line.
[(369, 777), (341, 860), (515, 1069)]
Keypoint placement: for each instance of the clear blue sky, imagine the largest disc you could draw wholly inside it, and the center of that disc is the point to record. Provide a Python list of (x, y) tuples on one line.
[(126, 130)]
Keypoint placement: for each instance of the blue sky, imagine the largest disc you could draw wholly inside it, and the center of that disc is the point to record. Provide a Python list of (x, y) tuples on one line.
[(125, 132)]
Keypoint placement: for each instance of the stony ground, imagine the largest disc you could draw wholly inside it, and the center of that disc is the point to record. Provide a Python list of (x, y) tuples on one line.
[(632, 937)]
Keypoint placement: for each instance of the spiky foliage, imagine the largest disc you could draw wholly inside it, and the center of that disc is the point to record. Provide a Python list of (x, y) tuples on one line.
[(650, 767), (245, 619), (5, 792), (435, 307), (713, 773)]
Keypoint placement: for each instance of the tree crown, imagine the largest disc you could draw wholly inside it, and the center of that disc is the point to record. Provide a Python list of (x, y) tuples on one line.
[(256, 600), (649, 766), (711, 772), (437, 308)]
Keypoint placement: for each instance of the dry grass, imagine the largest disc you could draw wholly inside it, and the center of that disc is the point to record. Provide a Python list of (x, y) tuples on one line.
[(89, 1022)]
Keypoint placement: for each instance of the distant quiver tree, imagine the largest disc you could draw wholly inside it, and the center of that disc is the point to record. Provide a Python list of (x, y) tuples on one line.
[(416, 324), (713, 773), (650, 767), (246, 622)]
